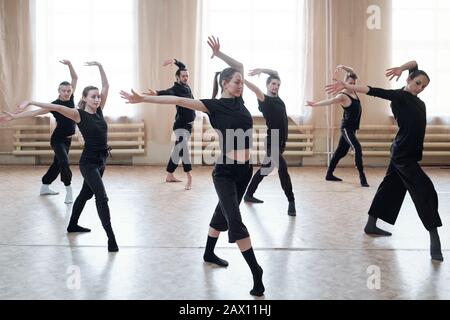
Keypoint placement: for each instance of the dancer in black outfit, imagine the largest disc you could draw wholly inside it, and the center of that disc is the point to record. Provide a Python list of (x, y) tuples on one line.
[(274, 111), (404, 172), (233, 171), (93, 127), (182, 126), (351, 104), (61, 138)]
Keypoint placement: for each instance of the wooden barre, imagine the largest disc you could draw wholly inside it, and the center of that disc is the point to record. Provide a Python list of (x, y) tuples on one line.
[(79, 144), (48, 135), (75, 152)]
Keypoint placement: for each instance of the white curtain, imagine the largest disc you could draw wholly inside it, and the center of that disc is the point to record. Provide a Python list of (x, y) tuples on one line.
[(80, 31), (429, 45), (260, 34)]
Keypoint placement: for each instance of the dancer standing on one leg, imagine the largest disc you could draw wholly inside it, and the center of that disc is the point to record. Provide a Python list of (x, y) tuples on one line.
[(182, 126), (351, 104), (233, 171), (61, 138), (274, 111), (404, 172), (93, 127)]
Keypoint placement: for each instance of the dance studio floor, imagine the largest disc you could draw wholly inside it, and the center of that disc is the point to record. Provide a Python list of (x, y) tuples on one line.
[(161, 231)]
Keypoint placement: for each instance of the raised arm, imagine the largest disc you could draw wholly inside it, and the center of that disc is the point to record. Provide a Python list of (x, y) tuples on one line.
[(214, 44), (170, 61), (67, 112), (339, 99), (8, 116), (73, 74), (105, 83), (339, 85), (258, 71), (259, 94), (192, 104), (397, 71)]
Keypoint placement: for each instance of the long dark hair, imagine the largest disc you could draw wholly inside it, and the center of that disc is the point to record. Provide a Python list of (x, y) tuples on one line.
[(82, 103), (226, 75)]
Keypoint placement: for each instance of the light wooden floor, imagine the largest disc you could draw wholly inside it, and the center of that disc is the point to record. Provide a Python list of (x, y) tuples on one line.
[(161, 231)]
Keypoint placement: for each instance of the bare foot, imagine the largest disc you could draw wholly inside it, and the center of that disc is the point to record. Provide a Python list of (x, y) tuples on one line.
[(171, 178), (189, 182)]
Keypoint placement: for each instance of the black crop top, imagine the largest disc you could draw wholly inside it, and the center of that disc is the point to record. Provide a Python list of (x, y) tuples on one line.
[(232, 120), (94, 129)]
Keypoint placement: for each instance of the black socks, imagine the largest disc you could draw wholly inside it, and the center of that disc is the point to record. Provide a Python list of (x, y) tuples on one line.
[(112, 245), (209, 255), (435, 245), (363, 180), (291, 209), (249, 198), (331, 177), (372, 229), (257, 272), (77, 228)]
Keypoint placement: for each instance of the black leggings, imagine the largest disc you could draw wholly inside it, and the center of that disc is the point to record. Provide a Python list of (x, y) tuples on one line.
[(402, 177), (267, 168), (60, 163), (182, 135), (230, 181), (92, 167), (348, 139)]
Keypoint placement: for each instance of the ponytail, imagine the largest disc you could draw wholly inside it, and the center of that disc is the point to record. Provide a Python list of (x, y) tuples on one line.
[(226, 75), (216, 85)]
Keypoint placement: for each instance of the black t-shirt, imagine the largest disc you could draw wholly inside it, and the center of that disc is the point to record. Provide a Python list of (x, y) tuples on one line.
[(231, 118), (184, 116), (274, 111), (94, 129), (65, 127), (352, 114), (411, 115)]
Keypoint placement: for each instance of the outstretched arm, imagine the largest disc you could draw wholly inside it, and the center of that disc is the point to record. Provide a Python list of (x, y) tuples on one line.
[(192, 104), (73, 74), (8, 116), (67, 112), (214, 44), (259, 94), (397, 71), (339, 99), (105, 84), (258, 71), (170, 61)]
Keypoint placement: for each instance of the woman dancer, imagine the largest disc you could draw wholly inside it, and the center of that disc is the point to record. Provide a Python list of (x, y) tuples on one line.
[(404, 172), (233, 170), (93, 127)]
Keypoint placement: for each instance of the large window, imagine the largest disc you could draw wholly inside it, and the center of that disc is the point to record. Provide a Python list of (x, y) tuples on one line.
[(260, 34), (85, 30), (420, 32)]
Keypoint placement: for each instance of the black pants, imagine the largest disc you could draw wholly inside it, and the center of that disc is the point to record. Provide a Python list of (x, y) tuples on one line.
[(267, 167), (92, 167), (348, 139), (402, 177), (182, 137), (60, 163), (230, 181)]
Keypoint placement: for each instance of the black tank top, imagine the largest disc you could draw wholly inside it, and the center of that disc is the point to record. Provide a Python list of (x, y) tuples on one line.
[(352, 114)]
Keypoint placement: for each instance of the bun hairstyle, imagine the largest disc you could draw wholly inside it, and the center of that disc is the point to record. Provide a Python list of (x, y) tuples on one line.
[(351, 75), (226, 75), (417, 73)]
